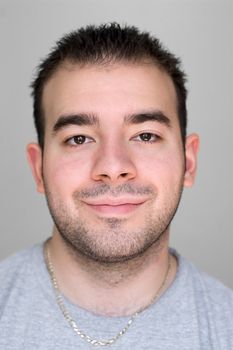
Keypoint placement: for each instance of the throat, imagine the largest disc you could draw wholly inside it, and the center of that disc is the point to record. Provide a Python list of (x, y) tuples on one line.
[(119, 289)]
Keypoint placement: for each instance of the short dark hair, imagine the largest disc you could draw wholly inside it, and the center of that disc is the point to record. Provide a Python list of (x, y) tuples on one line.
[(102, 45)]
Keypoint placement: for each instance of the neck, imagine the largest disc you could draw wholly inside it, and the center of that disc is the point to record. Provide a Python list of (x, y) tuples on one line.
[(117, 289)]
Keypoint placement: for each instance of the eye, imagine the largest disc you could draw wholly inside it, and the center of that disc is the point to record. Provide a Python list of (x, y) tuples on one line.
[(78, 140), (147, 137)]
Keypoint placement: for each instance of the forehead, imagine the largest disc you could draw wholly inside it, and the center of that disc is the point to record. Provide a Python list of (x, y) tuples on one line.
[(110, 92)]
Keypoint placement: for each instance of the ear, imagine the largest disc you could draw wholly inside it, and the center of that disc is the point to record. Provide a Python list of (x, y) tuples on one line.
[(34, 156), (191, 150)]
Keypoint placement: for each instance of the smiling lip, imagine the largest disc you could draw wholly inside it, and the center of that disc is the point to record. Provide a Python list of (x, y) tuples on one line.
[(113, 207)]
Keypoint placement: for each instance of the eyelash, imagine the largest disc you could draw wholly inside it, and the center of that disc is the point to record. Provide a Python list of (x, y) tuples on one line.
[(71, 140), (74, 144), (150, 134)]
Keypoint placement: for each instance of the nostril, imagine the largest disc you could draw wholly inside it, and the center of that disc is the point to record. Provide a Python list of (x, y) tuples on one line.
[(104, 175), (124, 174)]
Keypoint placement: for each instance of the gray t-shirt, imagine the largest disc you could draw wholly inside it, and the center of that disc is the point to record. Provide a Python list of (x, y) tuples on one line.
[(196, 312)]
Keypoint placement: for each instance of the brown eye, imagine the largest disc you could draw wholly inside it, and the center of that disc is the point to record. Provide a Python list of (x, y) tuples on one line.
[(79, 139), (146, 136)]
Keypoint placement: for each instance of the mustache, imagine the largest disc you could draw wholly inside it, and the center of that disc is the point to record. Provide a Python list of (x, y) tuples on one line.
[(105, 189)]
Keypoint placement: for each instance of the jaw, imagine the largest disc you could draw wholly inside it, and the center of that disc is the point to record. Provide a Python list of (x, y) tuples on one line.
[(109, 272)]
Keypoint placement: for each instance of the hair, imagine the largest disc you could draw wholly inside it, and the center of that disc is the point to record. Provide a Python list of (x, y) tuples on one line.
[(105, 44)]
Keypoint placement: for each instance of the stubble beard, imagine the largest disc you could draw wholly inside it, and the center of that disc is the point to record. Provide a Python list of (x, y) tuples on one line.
[(113, 243)]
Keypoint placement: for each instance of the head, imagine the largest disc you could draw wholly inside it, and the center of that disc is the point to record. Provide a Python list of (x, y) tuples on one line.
[(113, 156), (104, 45)]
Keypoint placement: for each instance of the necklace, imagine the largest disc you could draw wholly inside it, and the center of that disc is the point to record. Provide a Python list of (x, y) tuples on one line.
[(70, 320)]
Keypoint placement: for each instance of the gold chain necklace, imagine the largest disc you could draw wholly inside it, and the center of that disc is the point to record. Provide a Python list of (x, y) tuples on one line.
[(70, 320)]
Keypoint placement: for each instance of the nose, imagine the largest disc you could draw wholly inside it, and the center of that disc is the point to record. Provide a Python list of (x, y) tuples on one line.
[(113, 164)]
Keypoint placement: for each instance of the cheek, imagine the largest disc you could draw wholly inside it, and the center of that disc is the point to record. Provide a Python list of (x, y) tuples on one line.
[(65, 175), (161, 167), (165, 174)]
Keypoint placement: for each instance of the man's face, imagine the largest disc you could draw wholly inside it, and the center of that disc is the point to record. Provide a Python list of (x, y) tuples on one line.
[(113, 159)]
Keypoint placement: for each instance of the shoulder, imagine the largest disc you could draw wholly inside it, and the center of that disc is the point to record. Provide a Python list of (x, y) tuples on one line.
[(16, 270), (213, 302), (201, 281), (215, 293), (211, 287), (15, 263)]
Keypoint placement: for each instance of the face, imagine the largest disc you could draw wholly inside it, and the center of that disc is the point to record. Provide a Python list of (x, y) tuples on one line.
[(113, 161)]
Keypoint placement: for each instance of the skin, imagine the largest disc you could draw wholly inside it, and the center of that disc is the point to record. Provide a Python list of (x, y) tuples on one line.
[(127, 191)]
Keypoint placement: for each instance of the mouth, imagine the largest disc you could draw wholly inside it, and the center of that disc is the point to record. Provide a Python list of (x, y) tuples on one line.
[(114, 208)]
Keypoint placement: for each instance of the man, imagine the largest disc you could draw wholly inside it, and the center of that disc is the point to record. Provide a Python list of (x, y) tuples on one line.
[(112, 159)]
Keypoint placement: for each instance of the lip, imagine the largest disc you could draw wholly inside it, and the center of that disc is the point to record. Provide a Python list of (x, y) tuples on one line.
[(115, 201), (115, 206)]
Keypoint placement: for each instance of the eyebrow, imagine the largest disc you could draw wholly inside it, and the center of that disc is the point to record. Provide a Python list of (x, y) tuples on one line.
[(156, 116), (83, 119), (75, 119)]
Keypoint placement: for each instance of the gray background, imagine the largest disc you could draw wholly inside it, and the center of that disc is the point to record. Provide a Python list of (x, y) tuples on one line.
[(198, 31)]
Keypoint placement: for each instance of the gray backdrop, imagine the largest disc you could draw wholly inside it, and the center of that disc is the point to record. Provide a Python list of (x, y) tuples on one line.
[(200, 31)]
